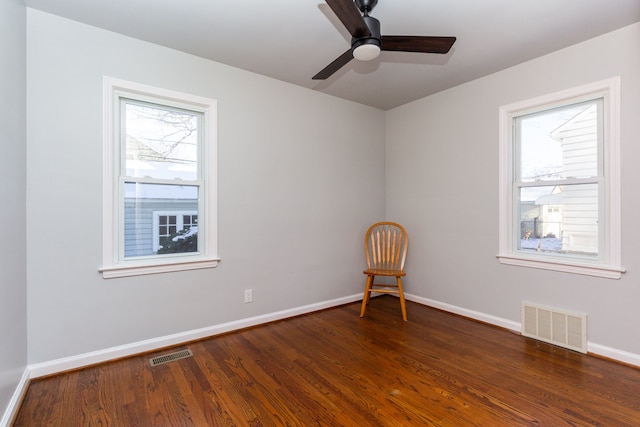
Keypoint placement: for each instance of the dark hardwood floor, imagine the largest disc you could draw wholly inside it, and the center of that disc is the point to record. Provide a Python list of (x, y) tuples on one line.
[(332, 368)]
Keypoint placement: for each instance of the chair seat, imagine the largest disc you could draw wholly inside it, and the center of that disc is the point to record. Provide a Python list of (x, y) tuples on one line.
[(383, 272)]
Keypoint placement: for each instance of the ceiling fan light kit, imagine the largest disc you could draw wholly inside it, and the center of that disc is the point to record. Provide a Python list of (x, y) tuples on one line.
[(367, 41), (366, 51), (367, 48)]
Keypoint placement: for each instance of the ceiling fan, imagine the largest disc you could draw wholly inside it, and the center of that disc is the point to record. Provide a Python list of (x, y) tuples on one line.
[(366, 41)]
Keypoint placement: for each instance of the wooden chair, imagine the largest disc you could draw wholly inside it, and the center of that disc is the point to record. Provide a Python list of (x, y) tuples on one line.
[(385, 246)]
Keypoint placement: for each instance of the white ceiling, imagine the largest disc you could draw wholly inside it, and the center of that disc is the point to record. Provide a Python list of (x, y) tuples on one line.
[(292, 40)]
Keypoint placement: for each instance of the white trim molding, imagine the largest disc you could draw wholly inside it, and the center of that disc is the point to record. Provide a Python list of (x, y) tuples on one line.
[(52, 367), (14, 404), (608, 262), (99, 356), (465, 312), (74, 362), (114, 261), (592, 348)]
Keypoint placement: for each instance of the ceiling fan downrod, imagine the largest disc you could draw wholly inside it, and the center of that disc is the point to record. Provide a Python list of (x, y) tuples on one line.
[(367, 48), (366, 6)]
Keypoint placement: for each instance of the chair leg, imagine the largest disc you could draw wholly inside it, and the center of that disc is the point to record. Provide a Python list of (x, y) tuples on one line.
[(401, 294), (367, 295)]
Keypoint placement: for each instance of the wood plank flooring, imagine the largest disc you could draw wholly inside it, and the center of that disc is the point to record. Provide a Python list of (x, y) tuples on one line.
[(332, 368)]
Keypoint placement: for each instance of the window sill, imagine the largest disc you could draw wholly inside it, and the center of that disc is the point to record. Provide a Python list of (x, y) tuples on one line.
[(139, 269), (606, 271)]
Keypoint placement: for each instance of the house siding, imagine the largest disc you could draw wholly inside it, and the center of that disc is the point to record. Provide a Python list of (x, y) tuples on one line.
[(138, 222), (579, 139)]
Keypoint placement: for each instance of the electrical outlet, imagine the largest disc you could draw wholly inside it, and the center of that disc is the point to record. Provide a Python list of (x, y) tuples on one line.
[(248, 295)]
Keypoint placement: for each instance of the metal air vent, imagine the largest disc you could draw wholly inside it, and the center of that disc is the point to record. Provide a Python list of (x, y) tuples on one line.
[(557, 327), (159, 360)]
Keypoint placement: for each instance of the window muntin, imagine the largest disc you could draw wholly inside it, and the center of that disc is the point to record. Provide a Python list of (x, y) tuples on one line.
[(159, 156), (576, 187)]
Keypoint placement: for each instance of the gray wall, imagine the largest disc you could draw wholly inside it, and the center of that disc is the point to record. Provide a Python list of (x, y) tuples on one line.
[(13, 272), (301, 177), (442, 183)]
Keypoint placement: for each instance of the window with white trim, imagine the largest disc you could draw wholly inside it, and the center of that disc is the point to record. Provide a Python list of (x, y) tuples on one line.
[(159, 184), (560, 181)]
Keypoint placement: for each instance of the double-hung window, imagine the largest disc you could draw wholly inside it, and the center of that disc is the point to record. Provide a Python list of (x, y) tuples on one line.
[(560, 181), (159, 180)]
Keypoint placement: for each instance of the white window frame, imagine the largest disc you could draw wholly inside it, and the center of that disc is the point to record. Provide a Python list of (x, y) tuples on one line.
[(608, 263), (114, 264), (156, 223)]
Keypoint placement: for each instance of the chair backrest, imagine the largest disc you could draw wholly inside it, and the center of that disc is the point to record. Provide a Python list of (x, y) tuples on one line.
[(386, 245)]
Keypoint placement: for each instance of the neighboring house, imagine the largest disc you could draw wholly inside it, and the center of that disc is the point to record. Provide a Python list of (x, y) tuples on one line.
[(149, 221), (579, 204), (154, 212), (569, 212), (551, 213), (543, 216)]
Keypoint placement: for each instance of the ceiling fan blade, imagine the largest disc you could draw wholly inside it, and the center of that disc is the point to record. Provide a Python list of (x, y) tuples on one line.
[(349, 15), (338, 63), (418, 44)]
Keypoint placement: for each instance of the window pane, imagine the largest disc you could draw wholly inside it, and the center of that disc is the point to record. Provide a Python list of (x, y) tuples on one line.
[(161, 143), (141, 201), (559, 219), (559, 143), (189, 220)]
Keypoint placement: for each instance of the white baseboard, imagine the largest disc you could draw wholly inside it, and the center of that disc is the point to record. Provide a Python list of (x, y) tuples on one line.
[(487, 318), (593, 348), (615, 354), (74, 362), (14, 403)]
